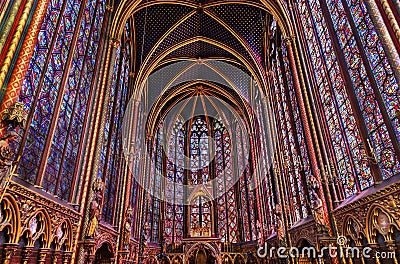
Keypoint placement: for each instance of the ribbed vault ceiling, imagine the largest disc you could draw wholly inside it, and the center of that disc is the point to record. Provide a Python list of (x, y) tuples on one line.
[(165, 31)]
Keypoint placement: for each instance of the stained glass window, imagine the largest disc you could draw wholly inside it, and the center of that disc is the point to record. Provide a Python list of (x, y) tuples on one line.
[(208, 162), (58, 88), (199, 152), (246, 208), (111, 158), (174, 189), (342, 127), (371, 77), (363, 82), (226, 203), (291, 136), (200, 213)]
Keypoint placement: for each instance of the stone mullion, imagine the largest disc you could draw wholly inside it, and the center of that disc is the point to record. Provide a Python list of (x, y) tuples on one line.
[(225, 189), (129, 170), (153, 198), (123, 208), (86, 124), (285, 90), (59, 175), (120, 156), (237, 184), (112, 129), (175, 168), (283, 125), (274, 120), (285, 197), (308, 127), (41, 79), (322, 128), (280, 194), (347, 146), (266, 112)]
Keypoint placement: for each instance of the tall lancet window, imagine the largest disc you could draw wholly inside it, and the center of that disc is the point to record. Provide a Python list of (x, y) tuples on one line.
[(350, 62), (199, 151), (195, 167), (174, 187), (226, 202), (58, 91), (200, 214)]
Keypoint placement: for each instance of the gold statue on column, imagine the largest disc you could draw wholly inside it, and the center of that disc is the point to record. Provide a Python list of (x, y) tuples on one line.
[(317, 206), (127, 228), (95, 208), (6, 155)]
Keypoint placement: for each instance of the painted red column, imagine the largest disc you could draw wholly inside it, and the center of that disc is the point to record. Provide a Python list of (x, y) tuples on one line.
[(307, 130), (14, 87)]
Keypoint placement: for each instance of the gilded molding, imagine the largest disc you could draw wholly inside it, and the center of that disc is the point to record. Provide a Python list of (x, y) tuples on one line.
[(9, 23), (60, 221), (3, 11), (362, 210), (14, 86), (392, 19), (305, 231), (14, 42), (383, 33)]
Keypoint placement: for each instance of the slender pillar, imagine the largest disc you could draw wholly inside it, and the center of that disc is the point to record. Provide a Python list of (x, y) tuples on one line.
[(8, 252), (307, 129), (25, 255), (9, 23), (42, 255), (389, 46), (14, 86), (95, 148), (14, 42), (3, 8)]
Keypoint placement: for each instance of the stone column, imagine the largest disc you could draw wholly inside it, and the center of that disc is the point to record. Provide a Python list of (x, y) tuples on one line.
[(14, 86), (8, 252), (66, 258), (42, 255), (25, 255)]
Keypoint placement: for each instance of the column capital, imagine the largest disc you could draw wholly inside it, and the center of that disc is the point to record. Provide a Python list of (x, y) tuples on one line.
[(289, 40), (115, 42)]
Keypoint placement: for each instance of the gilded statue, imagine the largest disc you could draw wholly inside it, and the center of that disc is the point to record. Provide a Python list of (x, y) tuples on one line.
[(128, 228), (95, 208), (317, 205), (280, 226), (6, 155)]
